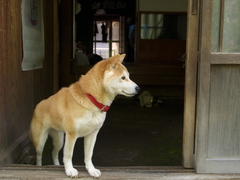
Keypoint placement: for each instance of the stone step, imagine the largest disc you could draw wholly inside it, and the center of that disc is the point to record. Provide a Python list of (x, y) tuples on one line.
[(116, 173)]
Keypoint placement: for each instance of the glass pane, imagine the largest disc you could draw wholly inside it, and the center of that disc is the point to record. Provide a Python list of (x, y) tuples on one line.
[(231, 33), (215, 25), (115, 31), (101, 31), (163, 26), (226, 26), (102, 49), (115, 49), (104, 43), (151, 26), (96, 30)]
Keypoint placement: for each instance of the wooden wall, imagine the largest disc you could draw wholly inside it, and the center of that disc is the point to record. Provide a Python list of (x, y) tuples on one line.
[(162, 5), (21, 91), (159, 51)]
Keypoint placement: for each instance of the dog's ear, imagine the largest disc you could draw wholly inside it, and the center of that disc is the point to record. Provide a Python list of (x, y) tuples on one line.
[(119, 59), (114, 61)]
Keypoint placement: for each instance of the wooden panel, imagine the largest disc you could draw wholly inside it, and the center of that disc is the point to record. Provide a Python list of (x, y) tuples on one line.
[(163, 5), (147, 75), (157, 75), (160, 51), (224, 125), (20, 91), (158, 80), (3, 131)]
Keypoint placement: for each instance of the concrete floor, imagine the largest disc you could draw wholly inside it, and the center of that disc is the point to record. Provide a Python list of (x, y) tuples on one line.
[(28, 172)]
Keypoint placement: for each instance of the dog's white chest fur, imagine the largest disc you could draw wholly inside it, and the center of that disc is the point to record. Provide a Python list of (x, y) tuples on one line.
[(91, 121)]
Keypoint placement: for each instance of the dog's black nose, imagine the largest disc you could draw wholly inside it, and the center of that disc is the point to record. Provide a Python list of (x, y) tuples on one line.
[(137, 88)]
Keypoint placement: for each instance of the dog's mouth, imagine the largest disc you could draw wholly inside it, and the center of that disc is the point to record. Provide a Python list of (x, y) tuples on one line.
[(128, 94)]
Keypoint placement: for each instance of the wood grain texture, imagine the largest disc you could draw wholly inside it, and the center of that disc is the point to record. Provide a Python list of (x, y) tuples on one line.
[(160, 51), (190, 92), (21, 91), (224, 124), (217, 125)]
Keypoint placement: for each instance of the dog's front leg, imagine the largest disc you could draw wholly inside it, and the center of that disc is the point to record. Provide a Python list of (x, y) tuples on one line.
[(89, 142), (68, 153)]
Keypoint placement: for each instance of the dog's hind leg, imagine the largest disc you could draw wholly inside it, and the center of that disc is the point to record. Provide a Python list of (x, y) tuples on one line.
[(41, 139), (57, 137), (40, 147), (38, 134)]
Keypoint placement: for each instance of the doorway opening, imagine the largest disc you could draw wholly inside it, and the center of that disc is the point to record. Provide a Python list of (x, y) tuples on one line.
[(135, 135)]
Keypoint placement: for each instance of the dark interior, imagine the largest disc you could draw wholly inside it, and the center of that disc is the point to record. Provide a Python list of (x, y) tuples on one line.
[(133, 135)]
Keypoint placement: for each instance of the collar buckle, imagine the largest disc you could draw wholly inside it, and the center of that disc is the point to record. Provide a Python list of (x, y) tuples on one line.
[(103, 108)]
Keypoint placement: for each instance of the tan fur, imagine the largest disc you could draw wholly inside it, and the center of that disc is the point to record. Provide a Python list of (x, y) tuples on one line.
[(70, 111)]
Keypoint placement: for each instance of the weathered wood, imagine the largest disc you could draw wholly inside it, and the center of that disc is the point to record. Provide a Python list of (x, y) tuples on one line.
[(217, 142), (224, 105), (203, 87), (190, 88), (21, 91)]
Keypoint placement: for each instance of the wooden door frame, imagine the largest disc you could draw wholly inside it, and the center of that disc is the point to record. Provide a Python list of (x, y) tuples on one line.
[(56, 73), (190, 84), (204, 81), (66, 41)]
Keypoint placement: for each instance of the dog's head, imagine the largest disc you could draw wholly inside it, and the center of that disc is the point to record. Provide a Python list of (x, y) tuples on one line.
[(116, 77)]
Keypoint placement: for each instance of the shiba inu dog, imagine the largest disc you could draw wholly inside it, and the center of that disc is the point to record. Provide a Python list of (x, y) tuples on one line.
[(79, 111)]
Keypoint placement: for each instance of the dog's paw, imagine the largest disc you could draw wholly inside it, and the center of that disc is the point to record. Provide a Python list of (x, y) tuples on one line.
[(71, 172), (94, 172)]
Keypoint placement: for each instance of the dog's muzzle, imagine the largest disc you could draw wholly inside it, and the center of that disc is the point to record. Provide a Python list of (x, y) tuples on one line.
[(137, 88)]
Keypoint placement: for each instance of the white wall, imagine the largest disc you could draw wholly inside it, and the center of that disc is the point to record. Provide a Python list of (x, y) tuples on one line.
[(162, 5)]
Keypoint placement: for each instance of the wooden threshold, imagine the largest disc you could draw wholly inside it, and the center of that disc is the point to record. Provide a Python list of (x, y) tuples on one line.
[(133, 172)]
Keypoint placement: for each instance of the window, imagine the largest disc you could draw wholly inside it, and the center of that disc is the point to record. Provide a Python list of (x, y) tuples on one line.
[(163, 26), (151, 25), (107, 37), (225, 26)]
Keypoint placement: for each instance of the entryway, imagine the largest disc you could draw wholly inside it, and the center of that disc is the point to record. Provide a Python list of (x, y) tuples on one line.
[(154, 127)]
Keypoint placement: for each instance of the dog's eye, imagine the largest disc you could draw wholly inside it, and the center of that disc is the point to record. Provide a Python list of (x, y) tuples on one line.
[(123, 77)]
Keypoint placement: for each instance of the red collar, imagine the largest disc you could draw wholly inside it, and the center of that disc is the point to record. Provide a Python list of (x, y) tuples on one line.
[(102, 107)]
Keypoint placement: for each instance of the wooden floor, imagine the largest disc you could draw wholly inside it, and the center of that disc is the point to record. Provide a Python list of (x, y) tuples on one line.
[(24, 172)]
